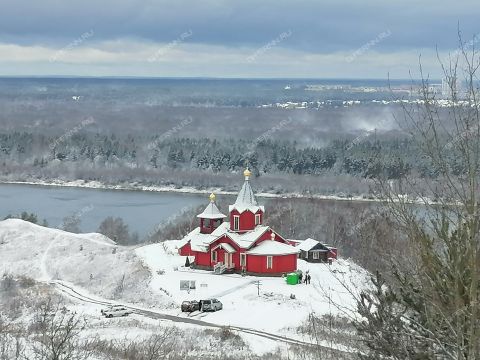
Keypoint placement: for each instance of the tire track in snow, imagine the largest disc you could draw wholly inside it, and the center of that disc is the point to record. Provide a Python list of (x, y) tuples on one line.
[(74, 293)]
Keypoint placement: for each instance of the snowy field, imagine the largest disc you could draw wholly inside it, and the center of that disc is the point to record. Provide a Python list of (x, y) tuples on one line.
[(273, 310), (148, 277)]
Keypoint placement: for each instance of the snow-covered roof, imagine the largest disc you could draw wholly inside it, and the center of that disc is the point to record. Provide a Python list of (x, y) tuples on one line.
[(246, 195), (222, 229), (198, 247), (246, 199), (307, 244), (246, 239), (242, 208), (272, 247), (211, 212), (228, 248), (200, 242)]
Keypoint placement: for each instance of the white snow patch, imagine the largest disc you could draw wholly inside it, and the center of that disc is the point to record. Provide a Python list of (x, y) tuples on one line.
[(90, 261), (151, 275), (272, 310)]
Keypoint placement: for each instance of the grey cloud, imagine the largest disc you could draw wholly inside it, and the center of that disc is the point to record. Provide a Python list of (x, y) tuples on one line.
[(317, 26)]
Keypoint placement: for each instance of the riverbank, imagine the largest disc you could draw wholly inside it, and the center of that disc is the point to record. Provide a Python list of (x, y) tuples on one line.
[(184, 190)]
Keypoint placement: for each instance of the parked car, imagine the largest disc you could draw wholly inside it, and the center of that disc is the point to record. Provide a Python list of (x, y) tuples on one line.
[(210, 305), (190, 306), (116, 311), (111, 307)]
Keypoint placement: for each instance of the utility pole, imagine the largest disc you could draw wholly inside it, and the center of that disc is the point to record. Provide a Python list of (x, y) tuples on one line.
[(258, 283), (330, 313)]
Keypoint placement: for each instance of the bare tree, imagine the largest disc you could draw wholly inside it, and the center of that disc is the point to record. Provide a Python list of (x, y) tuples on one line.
[(161, 345), (427, 305), (57, 332), (116, 230), (72, 224), (11, 345)]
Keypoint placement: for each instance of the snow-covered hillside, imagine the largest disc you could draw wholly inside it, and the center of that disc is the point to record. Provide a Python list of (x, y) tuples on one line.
[(90, 261), (149, 278)]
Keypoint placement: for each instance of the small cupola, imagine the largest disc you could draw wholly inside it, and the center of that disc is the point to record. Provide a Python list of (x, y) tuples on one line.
[(211, 218)]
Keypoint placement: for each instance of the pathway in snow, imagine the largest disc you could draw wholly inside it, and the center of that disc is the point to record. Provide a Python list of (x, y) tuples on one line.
[(43, 261), (76, 293)]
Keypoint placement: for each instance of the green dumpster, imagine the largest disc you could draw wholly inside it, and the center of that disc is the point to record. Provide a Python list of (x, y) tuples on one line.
[(292, 279)]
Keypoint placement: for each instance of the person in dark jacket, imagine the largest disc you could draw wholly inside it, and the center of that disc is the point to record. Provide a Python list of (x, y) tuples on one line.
[(300, 278), (308, 278)]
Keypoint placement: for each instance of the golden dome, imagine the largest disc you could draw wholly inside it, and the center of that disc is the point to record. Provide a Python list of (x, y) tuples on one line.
[(212, 197), (247, 173)]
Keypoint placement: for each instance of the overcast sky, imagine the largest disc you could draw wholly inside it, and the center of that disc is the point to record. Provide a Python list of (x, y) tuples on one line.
[(231, 38)]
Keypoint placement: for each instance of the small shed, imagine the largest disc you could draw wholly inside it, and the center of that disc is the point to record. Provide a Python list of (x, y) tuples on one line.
[(314, 251)]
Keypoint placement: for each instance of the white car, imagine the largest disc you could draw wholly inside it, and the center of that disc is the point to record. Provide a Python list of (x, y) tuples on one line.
[(116, 311), (210, 305)]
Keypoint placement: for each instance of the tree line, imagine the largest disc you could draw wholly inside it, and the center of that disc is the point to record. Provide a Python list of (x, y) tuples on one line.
[(368, 156)]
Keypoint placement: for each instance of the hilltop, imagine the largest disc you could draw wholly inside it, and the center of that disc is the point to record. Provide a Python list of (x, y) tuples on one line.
[(90, 270)]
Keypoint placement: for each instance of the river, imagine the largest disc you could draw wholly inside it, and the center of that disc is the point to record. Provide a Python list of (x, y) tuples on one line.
[(142, 211)]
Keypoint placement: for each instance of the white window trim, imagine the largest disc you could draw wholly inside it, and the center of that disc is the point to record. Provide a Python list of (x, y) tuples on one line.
[(214, 256), (257, 219), (243, 260), (236, 222), (269, 262), (316, 255)]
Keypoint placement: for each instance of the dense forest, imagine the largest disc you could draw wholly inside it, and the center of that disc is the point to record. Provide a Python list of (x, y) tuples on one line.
[(146, 159)]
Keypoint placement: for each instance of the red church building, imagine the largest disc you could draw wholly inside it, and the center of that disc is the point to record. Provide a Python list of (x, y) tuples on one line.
[(242, 244)]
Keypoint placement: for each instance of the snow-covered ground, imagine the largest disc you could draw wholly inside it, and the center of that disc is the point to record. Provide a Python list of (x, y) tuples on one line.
[(90, 261), (273, 310), (149, 278)]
